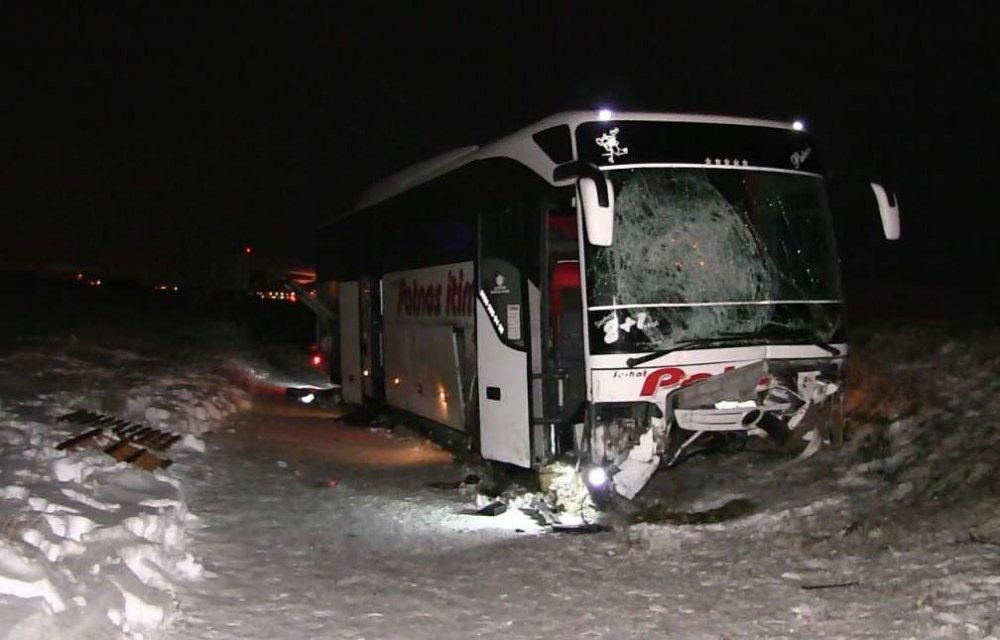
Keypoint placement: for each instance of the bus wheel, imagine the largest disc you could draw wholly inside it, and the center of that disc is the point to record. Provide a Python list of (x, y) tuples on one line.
[(494, 479)]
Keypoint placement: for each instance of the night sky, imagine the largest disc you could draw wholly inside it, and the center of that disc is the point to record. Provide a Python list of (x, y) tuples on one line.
[(158, 140)]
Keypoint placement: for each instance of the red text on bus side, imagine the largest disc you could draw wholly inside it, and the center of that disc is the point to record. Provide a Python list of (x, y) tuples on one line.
[(454, 299), (669, 377)]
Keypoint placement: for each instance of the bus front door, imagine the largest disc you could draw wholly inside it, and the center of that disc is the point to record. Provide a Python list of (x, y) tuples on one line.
[(503, 339), (559, 415)]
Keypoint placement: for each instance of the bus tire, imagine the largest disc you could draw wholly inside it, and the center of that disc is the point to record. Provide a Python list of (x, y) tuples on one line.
[(494, 479)]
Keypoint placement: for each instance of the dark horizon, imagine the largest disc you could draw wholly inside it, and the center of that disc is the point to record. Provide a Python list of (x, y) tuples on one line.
[(151, 140)]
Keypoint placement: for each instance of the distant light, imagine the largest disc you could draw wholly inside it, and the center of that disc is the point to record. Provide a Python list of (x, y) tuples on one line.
[(316, 360), (248, 249), (365, 373), (308, 398), (605, 114), (396, 381), (597, 477), (798, 125)]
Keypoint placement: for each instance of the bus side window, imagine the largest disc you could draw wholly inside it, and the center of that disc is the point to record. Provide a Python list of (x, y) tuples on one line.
[(501, 270)]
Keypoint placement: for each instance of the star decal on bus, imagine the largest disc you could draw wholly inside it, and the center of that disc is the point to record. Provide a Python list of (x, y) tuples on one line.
[(728, 162)]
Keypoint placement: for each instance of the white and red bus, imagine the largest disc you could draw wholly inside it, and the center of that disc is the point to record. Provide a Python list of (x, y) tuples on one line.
[(603, 287)]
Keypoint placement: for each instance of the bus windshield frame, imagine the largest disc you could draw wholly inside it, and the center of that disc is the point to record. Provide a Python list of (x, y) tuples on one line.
[(717, 256)]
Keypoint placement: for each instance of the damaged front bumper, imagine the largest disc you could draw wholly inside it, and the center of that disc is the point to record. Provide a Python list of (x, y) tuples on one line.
[(786, 403)]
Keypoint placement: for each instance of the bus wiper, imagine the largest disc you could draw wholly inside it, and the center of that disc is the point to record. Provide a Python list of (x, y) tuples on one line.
[(779, 332), (767, 333), (725, 340)]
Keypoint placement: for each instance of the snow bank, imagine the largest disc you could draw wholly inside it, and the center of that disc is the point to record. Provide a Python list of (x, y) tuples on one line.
[(91, 548), (908, 509), (929, 429)]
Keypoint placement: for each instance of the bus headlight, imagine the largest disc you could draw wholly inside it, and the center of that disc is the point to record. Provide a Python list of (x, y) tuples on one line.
[(597, 477)]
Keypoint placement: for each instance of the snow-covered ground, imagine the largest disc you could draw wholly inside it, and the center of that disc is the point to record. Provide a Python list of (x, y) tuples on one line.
[(90, 548), (279, 522)]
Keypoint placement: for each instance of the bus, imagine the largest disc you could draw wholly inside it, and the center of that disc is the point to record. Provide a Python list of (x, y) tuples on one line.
[(603, 288)]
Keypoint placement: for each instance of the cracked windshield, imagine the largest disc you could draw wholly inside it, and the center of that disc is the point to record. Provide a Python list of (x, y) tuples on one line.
[(718, 256)]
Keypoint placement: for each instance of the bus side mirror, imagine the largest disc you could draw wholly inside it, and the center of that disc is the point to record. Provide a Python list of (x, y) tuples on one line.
[(888, 210), (597, 198)]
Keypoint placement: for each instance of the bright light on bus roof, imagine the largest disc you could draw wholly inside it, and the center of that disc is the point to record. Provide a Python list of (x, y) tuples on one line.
[(798, 125), (605, 114)]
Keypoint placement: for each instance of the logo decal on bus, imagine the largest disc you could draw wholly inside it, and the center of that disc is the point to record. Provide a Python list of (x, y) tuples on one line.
[(500, 288), (610, 325), (609, 142), (799, 157)]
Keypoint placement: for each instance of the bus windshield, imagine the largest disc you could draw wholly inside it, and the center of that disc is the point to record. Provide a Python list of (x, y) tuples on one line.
[(732, 255)]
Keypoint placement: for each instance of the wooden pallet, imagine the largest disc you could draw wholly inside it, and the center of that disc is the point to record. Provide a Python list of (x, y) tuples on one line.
[(122, 440)]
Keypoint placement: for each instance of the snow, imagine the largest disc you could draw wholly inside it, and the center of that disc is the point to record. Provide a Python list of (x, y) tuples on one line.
[(90, 547), (278, 521)]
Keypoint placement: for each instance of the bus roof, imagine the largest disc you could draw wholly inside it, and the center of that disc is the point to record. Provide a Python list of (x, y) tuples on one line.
[(521, 146)]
